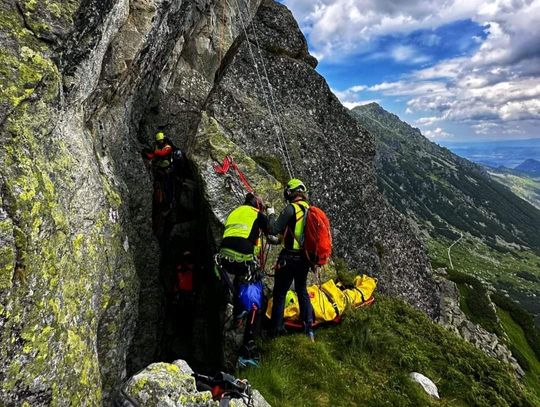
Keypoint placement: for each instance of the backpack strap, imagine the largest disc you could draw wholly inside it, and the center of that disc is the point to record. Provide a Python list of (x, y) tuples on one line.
[(300, 213)]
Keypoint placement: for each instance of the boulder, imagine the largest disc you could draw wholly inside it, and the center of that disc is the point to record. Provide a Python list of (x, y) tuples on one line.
[(172, 385)]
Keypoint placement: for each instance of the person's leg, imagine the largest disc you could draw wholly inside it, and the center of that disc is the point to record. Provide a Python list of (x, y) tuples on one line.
[(249, 348), (301, 270), (282, 281), (169, 187), (239, 270)]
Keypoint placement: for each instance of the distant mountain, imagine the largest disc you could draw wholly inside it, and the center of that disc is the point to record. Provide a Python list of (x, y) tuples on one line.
[(441, 190), (530, 166), (508, 153), (521, 183)]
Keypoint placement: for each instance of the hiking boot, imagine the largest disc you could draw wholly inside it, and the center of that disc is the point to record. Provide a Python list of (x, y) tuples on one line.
[(245, 362)]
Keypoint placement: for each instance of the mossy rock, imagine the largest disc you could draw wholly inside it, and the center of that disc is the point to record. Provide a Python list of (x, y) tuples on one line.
[(164, 384)]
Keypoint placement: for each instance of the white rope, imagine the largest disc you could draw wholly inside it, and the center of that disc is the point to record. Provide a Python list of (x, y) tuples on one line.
[(281, 140), (272, 99)]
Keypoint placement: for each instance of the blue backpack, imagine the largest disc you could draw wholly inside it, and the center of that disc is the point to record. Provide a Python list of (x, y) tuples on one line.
[(251, 294)]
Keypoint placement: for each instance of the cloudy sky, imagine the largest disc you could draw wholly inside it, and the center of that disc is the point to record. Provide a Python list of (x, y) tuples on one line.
[(459, 70)]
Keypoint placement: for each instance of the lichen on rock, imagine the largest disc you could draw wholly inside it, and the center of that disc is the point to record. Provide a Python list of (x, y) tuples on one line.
[(172, 384)]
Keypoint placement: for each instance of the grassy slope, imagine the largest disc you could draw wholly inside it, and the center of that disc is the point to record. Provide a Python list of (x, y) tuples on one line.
[(517, 337), (526, 187), (504, 271), (366, 360)]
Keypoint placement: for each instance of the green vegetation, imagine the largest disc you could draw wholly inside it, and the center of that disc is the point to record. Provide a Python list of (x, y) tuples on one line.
[(522, 185), (343, 273), (366, 361), (475, 302), (503, 271), (441, 190), (272, 165), (521, 349), (523, 319), (522, 336)]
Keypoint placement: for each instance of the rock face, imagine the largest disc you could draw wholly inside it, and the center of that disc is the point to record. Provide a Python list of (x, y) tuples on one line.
[(328, 150), (455, 320), (85, 85), (165, 384)]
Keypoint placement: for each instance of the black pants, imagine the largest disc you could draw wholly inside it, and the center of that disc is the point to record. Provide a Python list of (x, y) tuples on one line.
[(242, 273), (291, 268)]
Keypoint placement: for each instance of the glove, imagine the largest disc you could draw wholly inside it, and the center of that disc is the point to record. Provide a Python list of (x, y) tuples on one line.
[(270, 211), (273, 239)]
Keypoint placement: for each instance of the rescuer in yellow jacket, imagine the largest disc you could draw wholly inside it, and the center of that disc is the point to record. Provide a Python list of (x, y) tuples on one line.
[(238, 254)]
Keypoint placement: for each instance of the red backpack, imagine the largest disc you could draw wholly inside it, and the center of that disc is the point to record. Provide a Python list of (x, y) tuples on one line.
[(317, 236)]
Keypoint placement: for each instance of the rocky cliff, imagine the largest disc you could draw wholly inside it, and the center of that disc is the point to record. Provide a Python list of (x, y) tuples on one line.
[(84, 86)]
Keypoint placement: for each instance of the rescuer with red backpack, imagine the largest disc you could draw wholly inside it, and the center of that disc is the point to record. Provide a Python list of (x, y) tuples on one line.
[(307, 244)]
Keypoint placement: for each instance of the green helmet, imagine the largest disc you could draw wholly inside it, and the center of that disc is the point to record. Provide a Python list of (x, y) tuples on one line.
[(294, 185), (160, 136)]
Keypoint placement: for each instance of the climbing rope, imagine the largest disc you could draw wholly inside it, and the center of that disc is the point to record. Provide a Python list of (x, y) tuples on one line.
[(277, 126), (229, 162)]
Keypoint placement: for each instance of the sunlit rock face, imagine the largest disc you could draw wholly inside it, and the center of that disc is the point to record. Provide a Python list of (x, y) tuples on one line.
[(85, 85), (327, 148)]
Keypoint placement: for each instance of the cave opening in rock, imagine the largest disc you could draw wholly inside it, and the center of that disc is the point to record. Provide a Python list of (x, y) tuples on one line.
[(193, 298)]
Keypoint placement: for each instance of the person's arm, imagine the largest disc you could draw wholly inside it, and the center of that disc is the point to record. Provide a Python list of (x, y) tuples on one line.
[(277, 226), (162, 152), (262, 219)]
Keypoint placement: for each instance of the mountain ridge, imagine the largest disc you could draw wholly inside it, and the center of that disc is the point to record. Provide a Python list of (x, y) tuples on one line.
[(529, 166), (457, 179)]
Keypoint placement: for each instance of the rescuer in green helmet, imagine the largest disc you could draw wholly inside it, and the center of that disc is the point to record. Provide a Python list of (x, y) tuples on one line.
[(166, 162), (292, 264), (162, 154)]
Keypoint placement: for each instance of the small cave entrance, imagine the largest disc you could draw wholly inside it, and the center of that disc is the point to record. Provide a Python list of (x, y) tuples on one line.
[(193, 300)]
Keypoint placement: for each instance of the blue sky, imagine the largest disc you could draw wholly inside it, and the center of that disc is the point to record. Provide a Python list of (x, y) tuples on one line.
[(461, 70)]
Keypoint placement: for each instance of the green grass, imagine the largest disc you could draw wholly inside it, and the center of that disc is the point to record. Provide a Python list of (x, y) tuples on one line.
[(366, 361), (475, 301), (517, 338), (511, 273), (504, 271)]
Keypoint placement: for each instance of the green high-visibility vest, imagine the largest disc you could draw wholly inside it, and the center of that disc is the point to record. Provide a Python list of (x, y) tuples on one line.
[(300, 209), (240, 222)]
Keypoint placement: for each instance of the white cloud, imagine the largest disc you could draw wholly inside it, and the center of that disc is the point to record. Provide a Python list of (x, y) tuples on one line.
[(407, 88), (350, 105), (351, 97), (407, 54), (495, 90), (338, 27), (437, 134), (427, 121), (358, 88)]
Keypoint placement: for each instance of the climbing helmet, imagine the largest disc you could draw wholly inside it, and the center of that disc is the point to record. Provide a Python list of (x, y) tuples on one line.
[(294, 185), (160, 136)]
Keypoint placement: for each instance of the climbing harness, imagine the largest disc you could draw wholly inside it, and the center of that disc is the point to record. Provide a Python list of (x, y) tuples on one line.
[(225, 169)]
